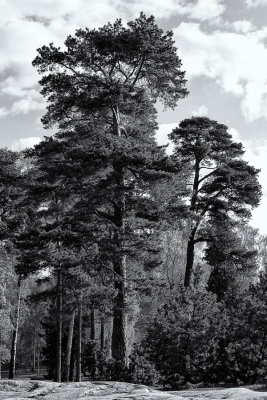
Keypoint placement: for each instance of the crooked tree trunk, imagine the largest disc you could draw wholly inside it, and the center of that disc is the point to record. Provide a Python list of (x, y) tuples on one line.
[(79, 343), (12, 367), (59, 327), (69, 346), (190, 254)]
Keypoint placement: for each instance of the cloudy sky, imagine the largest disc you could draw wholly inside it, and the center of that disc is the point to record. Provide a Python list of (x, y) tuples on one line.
[(222, 44)]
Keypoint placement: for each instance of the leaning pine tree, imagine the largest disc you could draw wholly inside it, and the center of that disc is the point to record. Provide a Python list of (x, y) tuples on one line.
[(101, 91), (223, 186)]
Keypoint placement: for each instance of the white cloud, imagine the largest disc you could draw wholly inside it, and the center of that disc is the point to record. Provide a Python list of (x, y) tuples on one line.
[(24, 143), (237, 62), (243, 26), (207, 9), (24, 106), (162, 135), (235, 134), (3, 112), (201, 111), (256, 3), (256, 155)]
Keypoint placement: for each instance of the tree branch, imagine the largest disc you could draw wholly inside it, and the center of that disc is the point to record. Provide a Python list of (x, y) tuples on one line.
[(139, 70), (205, 177)]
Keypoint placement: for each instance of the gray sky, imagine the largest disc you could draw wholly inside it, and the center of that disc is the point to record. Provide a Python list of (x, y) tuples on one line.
[(222, 44)]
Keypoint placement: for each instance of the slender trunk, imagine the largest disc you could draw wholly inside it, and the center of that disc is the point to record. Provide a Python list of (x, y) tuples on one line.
[(92, 330), (0, 355), (12, 366), (190, 253), (73, 359), (34, 350), (33, 358), (102, 335), (38, 359), (119, 338), (194, 197), (69, 345), (79, 344), (92, 338), (59, 328)]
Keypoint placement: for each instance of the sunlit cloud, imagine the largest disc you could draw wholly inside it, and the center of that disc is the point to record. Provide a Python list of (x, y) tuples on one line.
[(235, 61), (201, 111), (3, 112), (24, 143)]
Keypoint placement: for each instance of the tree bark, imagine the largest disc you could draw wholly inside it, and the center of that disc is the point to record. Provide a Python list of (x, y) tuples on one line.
[(119, 338), (73, 359), (38, 358), (59, 327), (69, 346), (102, 335), (34, 350), (0, 355), (12, 367), (190, 254), (92, 328), (79, 343), (92, 338)]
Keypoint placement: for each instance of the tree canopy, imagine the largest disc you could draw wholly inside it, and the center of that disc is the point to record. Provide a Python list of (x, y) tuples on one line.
[(223, 187)]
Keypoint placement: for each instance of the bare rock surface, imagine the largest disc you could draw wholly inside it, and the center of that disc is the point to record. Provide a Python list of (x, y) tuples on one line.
[(21, 390)]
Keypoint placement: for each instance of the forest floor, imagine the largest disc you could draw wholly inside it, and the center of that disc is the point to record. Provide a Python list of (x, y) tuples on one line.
[(26, 389)]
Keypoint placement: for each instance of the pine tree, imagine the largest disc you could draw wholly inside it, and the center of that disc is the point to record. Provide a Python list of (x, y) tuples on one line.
[(101, 92), (223, 186)]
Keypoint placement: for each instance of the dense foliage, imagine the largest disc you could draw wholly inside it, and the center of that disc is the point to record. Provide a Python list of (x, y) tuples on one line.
[(118, 261), (195, 339)]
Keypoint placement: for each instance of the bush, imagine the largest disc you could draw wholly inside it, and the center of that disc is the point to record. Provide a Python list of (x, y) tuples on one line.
[(195, 339)]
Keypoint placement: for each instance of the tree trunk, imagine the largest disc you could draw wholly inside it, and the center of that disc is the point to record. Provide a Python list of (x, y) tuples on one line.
[(69, 346), (38, 358), (92, 338), (73, 359), (189, 262), (102, 335), (79, 344), (59, 328), (190, 253), (34, 350), (12, 366), (92, 330), (119, 338), (0, 366)]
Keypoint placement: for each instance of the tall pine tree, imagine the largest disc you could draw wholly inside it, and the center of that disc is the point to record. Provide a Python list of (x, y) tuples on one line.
[(102, 87)]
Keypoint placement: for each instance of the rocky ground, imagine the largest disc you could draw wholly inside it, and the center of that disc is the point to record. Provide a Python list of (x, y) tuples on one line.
[(21, 390)]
